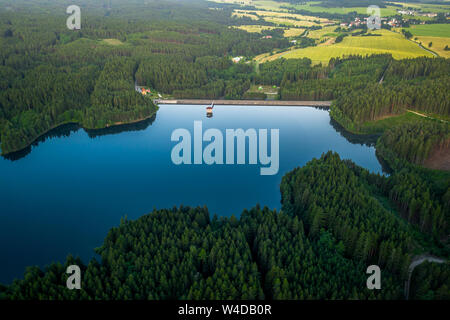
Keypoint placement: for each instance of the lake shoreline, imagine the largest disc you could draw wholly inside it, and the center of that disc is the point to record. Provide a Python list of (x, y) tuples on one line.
[(116, 124)]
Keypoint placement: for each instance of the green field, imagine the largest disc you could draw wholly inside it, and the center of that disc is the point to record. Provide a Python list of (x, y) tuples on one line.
[(438, 44), (389, 42), (310, 6), (288, 32), (430, 30), (255, 28), (437, 34), (425, 7), (112, 42), (380, 126), (324, 32)]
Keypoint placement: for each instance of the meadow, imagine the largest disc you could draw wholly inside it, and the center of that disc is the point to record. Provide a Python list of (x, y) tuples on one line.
[(239, 14), (288, 32), (282, 18), (430, 30), (322, 33), (277, 14), (311, 6), (438, 44), (437, 34), (388, 42), (112, 42), (426, 7)]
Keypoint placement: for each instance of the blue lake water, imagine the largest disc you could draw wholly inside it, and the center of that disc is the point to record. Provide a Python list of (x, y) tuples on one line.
[(64, 195)]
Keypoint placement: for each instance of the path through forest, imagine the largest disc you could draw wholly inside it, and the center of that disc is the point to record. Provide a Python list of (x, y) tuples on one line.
[(418, 260)]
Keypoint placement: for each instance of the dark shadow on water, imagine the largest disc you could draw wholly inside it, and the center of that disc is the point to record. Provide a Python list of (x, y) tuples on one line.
[(384, 165), (137, 126), (363, 139), (369, 140), (66, 130)]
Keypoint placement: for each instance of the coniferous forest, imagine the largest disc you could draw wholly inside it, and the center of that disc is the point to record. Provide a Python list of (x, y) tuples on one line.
[(336, 218)]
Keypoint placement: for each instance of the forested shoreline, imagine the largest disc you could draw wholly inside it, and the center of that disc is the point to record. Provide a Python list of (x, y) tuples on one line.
[(308, 250)]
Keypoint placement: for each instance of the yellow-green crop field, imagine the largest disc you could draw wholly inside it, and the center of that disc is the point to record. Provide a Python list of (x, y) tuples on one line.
[(324, 32), (282, 15), (426, 7), (255, 28), (388, 42), (311, 6), (438, 44), (112, 42), (438, 34), (282, 18), (288, 32), (293, 32), (290, 22), (244, 14), (260, 4)]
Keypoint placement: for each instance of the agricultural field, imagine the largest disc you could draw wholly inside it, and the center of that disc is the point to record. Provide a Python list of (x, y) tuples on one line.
[(239, 14), (290, 22), (430, 30), (259, 4), (325, 32), (112, 42), (293, 32), (283, 15), (438, 44), (288, 32), (388, 42), (437, 34), (294, 24), (255, 28), (311, 6), (282, 18), (426, 7)]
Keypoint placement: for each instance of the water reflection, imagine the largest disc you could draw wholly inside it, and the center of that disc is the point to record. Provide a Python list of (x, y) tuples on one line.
[(368, 140), (136, 126), (66, 130)]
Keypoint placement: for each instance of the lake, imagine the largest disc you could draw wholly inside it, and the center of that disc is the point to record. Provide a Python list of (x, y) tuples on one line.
[(64, 193)]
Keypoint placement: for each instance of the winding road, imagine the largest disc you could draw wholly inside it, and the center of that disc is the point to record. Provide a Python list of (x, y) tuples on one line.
[(418, 260)]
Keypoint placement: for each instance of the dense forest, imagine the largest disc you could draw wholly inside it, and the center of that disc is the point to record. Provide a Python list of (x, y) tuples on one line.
[(431, 281), (415, 142)]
